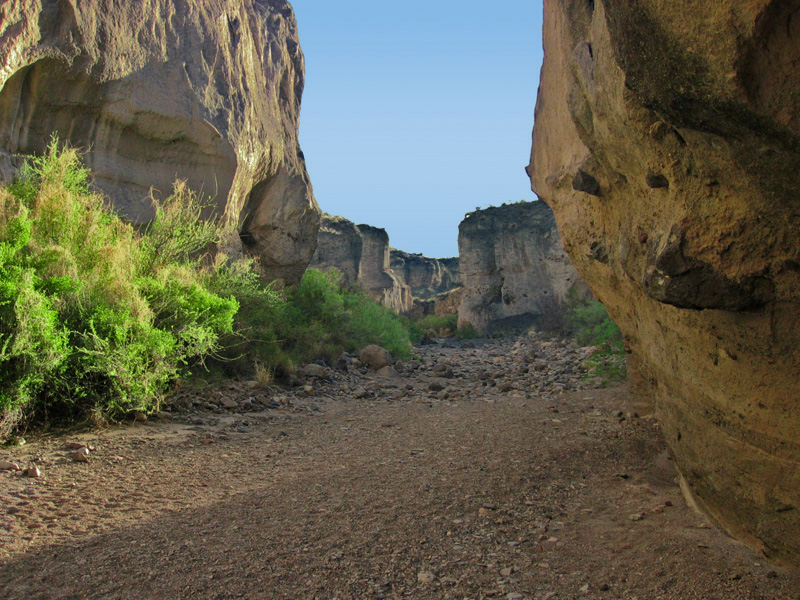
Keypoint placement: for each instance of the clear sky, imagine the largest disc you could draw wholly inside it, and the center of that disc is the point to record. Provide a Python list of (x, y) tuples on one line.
[(415, 112)]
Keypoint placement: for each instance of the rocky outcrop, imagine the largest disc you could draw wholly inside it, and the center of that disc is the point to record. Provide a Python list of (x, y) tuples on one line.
[(207, 91), (427, 277), (515, 272), (667, 140), (339, 246), (361, 254), (375, 274)]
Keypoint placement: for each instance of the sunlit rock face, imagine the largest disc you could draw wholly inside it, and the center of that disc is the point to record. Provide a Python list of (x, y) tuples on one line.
[(361, 254), (202, 90), (667, 140), (514, 269), (427, 277)]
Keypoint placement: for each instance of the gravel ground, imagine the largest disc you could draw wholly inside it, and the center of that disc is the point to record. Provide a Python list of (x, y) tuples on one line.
[(492, 471)]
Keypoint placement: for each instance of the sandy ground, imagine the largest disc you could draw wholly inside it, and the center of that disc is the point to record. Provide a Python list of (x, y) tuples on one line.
[(511, 494)]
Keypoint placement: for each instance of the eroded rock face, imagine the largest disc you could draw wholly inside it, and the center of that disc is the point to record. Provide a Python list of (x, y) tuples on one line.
[(667, 140), (375, 273), (339, 246), (361, 254), (207, 91), (514, 270), (427, 277)]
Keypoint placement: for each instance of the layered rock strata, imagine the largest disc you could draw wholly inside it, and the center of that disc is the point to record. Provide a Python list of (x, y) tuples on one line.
[(427, 277), (361, 254), (206, 91), (514, 270), (667, 140)]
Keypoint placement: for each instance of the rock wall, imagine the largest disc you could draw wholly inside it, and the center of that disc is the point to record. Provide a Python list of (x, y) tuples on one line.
[(375, 273), (514, 270), (426, 277), (339, 245), (667, 140), (202, 90), (361, 254)]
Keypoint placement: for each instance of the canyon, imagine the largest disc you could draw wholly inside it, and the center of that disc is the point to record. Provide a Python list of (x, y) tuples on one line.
[(664, 140)]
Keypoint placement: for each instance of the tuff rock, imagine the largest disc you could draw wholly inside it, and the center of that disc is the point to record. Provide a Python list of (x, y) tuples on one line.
[(204, 91), (361, 254), (427, 277), (515, 272), (667, 140)]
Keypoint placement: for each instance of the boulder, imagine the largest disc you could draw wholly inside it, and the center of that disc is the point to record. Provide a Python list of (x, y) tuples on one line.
[(207, 91), (686, 115), (514, 270), (375, 357)]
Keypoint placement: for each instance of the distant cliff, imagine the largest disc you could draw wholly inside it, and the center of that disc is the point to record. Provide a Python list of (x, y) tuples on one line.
[(514, 270), (203, 91), (361, 254), (427, 277)]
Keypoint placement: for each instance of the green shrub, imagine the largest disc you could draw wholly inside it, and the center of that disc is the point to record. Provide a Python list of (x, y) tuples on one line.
[(467, 332), (317, 319), (97, 321), (438, 325), (94, 319), (592, 326)]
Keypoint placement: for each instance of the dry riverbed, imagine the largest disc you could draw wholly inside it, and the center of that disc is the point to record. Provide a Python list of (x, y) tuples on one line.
[(485, 472)]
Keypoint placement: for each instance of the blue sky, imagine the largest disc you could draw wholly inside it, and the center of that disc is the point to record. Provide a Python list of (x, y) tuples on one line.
[(416, 112)]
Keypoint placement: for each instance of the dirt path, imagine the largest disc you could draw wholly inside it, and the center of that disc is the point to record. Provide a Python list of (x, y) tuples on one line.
[(406, 494)]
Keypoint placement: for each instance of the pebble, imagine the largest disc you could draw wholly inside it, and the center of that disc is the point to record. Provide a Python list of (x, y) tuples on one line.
[(79, 456), (426, 577), (228, 403), (32, 472), (636, 516), (515, 596), (8, 465)]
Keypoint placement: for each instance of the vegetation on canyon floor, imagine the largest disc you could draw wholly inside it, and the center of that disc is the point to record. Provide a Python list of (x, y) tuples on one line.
[(97, 320), (588, 321)]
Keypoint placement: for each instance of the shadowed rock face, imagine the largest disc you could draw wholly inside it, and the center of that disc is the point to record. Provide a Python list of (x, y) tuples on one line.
[(207, 91), (513, 267), (361, 254), (427, 277), (339, 246), (375, 273), (667, 140)]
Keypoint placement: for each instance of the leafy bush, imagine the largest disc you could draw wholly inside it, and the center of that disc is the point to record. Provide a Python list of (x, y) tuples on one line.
[(592, 326), (467, 332), (317, 319), (97, 321), (438, 325), (94, 319)]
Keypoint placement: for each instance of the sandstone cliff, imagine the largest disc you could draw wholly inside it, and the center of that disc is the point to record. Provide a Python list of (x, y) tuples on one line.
[(203, 90), (667, 140), (427, 277), (514, 269), (361, 254)]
